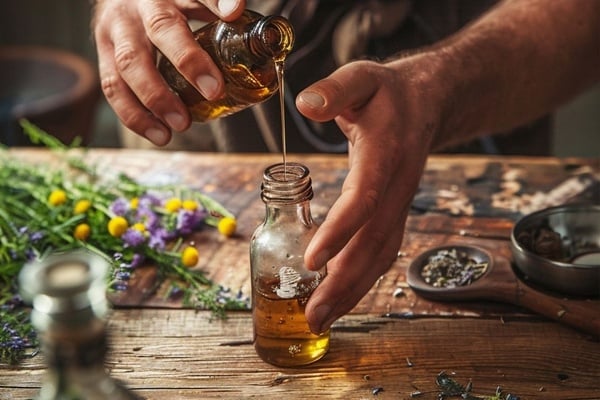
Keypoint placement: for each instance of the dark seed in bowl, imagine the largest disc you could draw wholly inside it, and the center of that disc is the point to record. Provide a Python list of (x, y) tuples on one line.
[(543, 241)]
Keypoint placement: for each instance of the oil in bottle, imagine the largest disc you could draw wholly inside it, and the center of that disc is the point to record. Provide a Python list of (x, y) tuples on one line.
[(281, 284), (246, 51)]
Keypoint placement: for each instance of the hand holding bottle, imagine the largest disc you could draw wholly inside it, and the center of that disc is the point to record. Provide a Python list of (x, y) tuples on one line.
[(126, 36)]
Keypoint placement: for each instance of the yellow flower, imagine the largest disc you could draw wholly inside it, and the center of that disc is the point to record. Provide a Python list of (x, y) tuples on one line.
[(227, 226), (117, 226), (134, 203), (82, 206), (189, 256), (57, 197), (173, 204), (82, 232), (139, 227), (189, 205)]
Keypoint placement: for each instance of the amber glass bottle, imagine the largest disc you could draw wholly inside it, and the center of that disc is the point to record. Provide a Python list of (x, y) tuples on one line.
[(281, 284), (67, 291), (246, 52)]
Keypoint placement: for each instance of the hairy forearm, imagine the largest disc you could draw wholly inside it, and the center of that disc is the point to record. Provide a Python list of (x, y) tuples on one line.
[(516, 63)]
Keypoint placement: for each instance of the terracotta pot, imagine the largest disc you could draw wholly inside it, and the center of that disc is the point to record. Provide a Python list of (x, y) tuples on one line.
[(54, 89)]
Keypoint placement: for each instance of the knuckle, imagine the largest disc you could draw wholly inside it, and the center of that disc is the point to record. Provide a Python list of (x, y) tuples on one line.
[(185, 60), (108, 84), (162, 20), (154, 98), (135, 120), (333, 89), (125, 57)]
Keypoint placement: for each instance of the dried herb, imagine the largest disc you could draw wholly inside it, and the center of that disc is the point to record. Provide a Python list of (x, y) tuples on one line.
[(452, 268), (450, 388)]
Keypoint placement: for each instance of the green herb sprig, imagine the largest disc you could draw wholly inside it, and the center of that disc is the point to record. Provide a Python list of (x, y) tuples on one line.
[(44, 209)]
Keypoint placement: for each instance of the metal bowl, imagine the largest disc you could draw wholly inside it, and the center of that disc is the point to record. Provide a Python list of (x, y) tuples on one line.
[(559, 249)]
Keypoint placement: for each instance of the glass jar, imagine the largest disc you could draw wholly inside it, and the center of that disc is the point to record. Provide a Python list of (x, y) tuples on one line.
[(247, 52), (281, 284), (68, 294)]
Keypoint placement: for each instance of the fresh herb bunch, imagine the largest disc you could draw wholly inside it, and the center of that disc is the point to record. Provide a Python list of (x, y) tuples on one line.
[(44, 210)]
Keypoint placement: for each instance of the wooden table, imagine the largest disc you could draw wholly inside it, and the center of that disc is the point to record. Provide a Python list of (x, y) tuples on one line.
[(389, 346)]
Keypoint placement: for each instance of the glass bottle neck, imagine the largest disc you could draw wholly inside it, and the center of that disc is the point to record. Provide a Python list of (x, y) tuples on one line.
[(287, 184), (272, 37), (291, 213)]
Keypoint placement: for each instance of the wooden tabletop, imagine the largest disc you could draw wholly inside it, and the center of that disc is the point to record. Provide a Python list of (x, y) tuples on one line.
[(394, 343)]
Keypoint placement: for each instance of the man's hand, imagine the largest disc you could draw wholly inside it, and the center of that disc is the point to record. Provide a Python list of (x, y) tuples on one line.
[(390, 127), (127, 32)]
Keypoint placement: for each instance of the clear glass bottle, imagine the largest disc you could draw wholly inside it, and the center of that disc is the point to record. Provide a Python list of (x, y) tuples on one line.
[(281, 284), (68, 294), (247, 52)]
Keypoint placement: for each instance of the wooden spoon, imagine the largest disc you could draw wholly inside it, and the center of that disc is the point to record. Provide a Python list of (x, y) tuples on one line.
[(500, 283)]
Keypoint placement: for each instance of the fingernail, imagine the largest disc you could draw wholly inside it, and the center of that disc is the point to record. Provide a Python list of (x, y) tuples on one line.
[(227, 6), (208, 86), (322, 315), (176, 121), (313, 99), (157, 136)]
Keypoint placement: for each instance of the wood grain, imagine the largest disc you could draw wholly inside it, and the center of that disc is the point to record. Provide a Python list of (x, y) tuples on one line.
[(396, 343), (180, 354)]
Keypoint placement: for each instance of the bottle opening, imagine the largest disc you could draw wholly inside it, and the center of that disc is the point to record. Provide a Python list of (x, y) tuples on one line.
[(276, 36), (287, 183)]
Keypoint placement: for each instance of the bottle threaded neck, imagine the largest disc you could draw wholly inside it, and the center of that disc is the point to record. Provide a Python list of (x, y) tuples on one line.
[(286, 184), (275, 37)]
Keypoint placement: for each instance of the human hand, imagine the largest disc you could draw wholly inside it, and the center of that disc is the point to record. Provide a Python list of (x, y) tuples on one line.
[(388, 113), (127, 32)]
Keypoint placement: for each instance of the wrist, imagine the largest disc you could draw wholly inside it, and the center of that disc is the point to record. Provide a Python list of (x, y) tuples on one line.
[(421, 81)]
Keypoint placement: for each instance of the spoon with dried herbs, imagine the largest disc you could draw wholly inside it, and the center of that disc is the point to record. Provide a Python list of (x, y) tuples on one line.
[(464, 273)]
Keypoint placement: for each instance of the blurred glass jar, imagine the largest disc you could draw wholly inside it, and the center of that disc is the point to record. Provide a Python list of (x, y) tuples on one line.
[(68, 294)]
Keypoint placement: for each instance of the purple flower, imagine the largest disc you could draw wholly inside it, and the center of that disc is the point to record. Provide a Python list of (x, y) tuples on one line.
[(133, 237), (186, 221), (149, 200), (36, 236), (122, 275), (14, 302), (137, 260), (119, 286), (175, 292), (120, 206), (158, 239), (125, 266), (30, 254), (147, 216)]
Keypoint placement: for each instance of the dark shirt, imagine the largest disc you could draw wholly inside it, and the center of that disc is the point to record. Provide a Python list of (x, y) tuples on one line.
[(328, 35)]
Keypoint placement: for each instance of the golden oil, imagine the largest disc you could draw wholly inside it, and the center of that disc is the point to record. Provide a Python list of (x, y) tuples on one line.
[(246, 51), (281, 333)]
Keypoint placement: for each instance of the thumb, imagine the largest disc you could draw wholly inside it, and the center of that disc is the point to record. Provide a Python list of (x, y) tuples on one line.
[(346, 89)]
